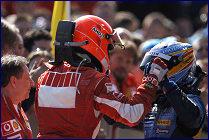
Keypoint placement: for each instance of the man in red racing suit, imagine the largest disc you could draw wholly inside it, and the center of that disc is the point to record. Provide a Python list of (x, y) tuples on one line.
[(71, 98), (71, 105)]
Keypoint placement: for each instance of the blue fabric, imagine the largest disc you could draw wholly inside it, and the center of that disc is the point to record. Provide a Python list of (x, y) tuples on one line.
[(161, 122), (168, 85)]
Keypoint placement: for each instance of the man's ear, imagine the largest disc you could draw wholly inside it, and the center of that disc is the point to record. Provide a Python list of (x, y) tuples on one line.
[(13, 81)]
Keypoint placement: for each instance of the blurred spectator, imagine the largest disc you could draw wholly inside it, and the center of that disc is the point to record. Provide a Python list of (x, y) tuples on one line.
[(37, 39), (198, 34), (156, 25), (127, 26), (124, 33), (38, 55), (11, 41), (203, 63), (203, 31), (23, 23), (76, 12), (127, 35), (121, 65), (126, 20), (137, 38), (42, 19), (37, 65), (105, 10), (184, 27), (8, 37), (37, 59), (201, 48), (204, 16), (19, 48)]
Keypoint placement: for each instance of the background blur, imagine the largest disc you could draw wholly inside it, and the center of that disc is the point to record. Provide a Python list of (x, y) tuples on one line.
[(143, 20)]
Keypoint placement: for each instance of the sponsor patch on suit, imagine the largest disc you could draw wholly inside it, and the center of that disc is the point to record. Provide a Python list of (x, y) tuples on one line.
[(9, 127)]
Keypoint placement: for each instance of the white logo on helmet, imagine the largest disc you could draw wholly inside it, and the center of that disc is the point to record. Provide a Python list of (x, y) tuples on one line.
[(98, 32), (161, 55)]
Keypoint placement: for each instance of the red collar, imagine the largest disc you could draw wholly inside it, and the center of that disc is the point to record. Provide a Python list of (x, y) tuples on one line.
[(19, 118)]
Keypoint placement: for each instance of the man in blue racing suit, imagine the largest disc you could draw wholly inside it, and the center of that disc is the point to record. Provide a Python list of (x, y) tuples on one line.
[(178, 112)]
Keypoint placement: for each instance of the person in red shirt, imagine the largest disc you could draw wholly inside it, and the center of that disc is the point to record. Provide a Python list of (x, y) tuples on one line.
[(15, 87), (75, 92), (121, 64)]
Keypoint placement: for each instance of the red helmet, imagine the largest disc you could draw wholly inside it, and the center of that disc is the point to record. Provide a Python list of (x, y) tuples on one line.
[(101, 37)]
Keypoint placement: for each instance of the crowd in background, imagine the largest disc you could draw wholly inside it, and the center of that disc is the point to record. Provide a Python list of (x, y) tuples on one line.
[(140, 29)]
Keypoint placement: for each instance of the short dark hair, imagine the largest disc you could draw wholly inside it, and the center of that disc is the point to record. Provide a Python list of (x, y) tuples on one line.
[(125, 19), (23, 17), (101, 4), (11, 65), (159, 18), (42, 53), (35, 35), (9, 35)]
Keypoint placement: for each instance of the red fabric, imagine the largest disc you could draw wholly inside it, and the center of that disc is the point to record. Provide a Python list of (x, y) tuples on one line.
[(80, 122), (9, 7), (138, 74), (46, 5), (129, 85), (9, 123)]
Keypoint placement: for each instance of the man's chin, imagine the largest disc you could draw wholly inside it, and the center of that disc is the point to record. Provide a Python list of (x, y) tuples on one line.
[(120, 78), (120, 75)]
